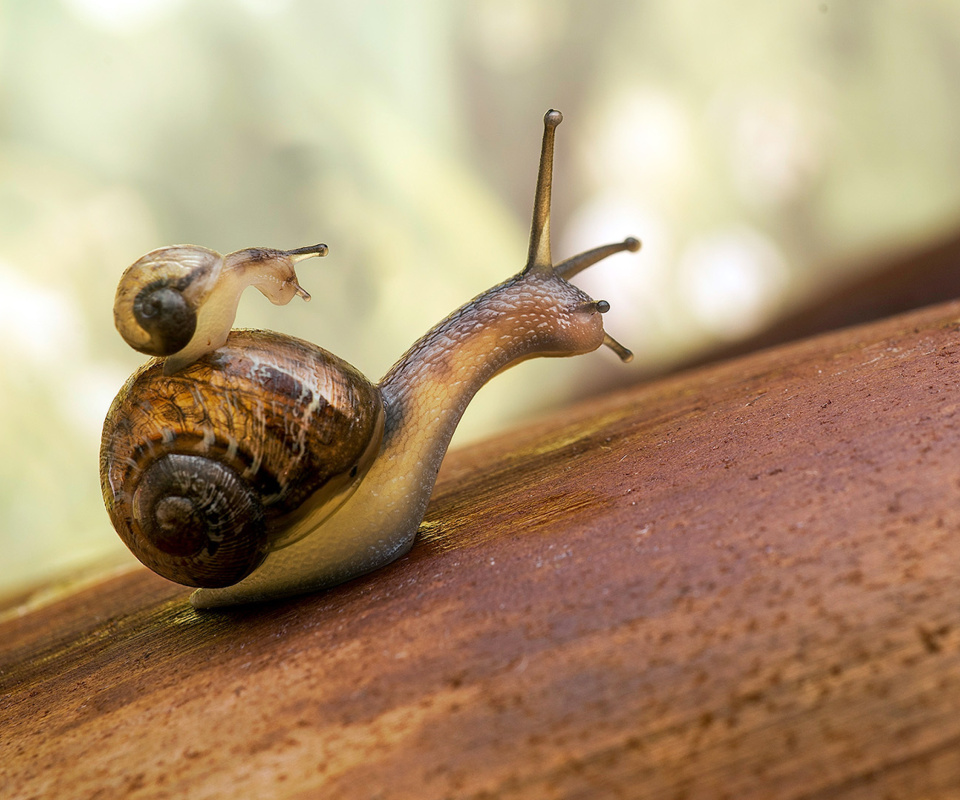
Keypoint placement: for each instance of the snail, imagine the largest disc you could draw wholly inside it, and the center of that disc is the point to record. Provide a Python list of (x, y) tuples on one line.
[(258, 466), (181, 301)]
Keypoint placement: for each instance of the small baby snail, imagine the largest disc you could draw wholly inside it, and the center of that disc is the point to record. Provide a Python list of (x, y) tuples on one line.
[(258, 466), (180, 301)]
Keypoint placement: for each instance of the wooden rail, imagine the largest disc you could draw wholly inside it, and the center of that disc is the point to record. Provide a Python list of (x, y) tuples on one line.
[(741, 581)]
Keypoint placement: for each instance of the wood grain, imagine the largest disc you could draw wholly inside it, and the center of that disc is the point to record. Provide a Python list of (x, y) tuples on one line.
[(736, 582)]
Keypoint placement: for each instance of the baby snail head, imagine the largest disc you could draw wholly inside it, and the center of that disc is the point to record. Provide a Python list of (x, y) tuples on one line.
[(259, 466), (181, 301)]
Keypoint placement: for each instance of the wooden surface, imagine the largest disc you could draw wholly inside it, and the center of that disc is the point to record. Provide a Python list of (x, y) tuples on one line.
[(738, 582)]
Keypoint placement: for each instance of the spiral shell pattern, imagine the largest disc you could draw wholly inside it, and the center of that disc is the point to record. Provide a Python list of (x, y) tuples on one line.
[(159, 296)]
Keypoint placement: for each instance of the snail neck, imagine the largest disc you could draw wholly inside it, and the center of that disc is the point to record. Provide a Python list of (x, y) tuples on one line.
[(427, 391)]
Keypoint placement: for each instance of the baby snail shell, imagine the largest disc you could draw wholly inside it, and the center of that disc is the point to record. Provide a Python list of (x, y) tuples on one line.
[(258, 466)]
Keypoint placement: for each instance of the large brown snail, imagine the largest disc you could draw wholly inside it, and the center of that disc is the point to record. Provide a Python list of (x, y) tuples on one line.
[(259, 466)]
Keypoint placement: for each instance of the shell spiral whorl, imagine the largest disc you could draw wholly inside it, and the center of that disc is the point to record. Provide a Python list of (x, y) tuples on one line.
[(159, 295), (202, 518), (167, 318)]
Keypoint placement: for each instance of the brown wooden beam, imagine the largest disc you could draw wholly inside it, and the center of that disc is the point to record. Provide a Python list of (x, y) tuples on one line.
[(741, 581)]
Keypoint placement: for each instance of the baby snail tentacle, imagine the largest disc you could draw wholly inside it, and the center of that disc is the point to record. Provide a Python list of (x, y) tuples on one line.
[(339, 469), (180, 301)]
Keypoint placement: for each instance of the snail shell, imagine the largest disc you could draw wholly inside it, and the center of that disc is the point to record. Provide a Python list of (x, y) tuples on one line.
[(157, 300), (205, 471)]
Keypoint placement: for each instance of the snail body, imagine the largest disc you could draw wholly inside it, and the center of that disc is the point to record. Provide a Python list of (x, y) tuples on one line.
[(327, 474)]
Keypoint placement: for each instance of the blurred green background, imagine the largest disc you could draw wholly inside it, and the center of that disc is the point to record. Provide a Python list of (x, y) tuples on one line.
[(752, 146)]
